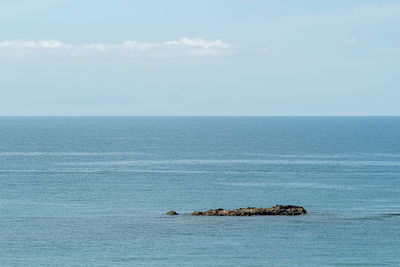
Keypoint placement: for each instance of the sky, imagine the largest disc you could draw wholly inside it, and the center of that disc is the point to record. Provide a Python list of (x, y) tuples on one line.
[(199, 58)]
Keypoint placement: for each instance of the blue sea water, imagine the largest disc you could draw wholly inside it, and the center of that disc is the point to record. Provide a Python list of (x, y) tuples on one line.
[(93, 191)]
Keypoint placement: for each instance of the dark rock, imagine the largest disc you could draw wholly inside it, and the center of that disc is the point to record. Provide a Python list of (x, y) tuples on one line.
[(171, 212), (288, 210)]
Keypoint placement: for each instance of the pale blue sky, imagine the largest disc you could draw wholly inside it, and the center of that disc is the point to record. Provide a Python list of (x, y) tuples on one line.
[(219, 57)]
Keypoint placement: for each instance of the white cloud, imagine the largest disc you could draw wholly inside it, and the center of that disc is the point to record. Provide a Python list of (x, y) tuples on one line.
[(175, 48), (31, 44), (198, 42)]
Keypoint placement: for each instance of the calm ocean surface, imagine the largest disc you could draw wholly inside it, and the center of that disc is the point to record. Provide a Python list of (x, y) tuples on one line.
[(94, 191)]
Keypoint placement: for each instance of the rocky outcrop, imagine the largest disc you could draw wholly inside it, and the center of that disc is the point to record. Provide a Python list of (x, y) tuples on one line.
[(171, 212), (288, 210)]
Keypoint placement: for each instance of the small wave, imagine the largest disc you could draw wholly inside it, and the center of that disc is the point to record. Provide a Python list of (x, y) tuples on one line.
[(391, 215), (383, 216), (246, 184), (237, 161), (38, 153), (95, 170), (324, 156), (298, 185)]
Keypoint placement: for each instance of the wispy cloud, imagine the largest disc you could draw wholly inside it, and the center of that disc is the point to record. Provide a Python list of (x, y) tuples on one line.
[(325, 29), (387, 50), (183, 47), (350, 41)]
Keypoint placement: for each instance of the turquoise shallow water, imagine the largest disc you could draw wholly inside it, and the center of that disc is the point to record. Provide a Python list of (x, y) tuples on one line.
[(94, 191)]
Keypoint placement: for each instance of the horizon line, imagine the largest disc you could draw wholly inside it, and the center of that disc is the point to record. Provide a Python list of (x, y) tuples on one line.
[(166, 116)]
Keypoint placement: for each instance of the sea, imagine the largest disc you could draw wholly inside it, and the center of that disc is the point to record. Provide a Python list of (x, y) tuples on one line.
[(93, 191)]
